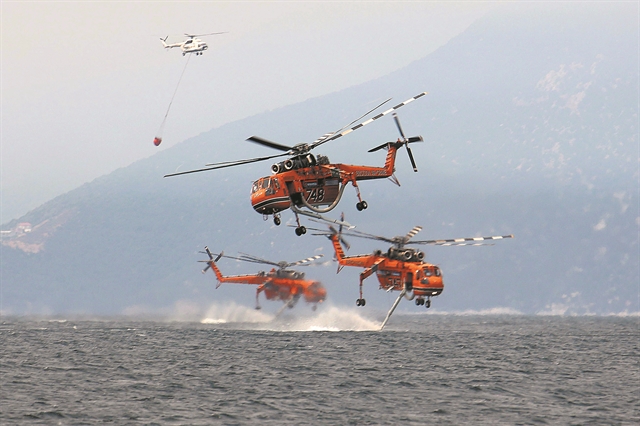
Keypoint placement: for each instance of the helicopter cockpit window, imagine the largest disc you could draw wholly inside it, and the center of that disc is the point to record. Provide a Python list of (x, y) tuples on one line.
[(437, 271), (255, 187), (265, 183), (427, 272), (188, 41)]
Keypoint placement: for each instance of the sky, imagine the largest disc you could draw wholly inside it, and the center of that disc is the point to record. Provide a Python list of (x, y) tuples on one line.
[(85, 85)]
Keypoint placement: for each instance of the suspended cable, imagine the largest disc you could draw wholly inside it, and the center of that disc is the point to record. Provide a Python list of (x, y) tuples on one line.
[(158, 139)]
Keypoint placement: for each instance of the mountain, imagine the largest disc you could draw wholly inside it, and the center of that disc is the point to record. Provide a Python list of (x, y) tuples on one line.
[(530, 128)]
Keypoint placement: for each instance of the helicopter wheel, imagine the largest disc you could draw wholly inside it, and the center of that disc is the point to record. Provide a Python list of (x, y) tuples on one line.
[(419, 302), (301, 230), (361, 205), (277, 220), (427, 304), (360, 302)]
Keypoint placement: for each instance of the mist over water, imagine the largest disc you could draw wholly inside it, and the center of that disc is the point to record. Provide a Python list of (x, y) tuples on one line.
[(325, 318)]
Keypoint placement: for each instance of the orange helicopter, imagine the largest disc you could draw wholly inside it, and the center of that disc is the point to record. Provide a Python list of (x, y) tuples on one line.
[(313, 182), (278, 284), (400, 268)]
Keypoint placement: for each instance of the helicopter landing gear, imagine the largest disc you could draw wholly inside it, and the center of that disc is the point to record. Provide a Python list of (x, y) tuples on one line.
[(361, 302), (360, 205), (300, 230), (276, 219), (420, 301)]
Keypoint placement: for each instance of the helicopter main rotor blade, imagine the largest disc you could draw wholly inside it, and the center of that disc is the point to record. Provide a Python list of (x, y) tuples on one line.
[(307, 260), (461, 241), (201, 35), (364, 123), (215, 166), (255, 259), (321, 138), (413, 232), (247, 161), (248, 258), (269, 143), (360, 234)]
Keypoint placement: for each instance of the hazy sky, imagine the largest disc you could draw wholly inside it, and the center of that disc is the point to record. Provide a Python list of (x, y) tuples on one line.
[(85, 85)]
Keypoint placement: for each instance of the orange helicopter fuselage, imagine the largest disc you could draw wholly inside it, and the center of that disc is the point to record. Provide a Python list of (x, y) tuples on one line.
[(282, 285), (307, 180), (396, 270)]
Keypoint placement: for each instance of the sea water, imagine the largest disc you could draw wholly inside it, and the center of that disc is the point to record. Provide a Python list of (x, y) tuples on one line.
[(333, 367)]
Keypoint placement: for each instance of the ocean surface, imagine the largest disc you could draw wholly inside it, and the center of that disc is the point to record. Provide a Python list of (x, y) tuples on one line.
[(333, 368)]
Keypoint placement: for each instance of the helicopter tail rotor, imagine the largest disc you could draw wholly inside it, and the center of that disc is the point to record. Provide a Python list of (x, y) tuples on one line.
[(406, 141), (403, 140), (340, 237), (338, 232), (211, 259)]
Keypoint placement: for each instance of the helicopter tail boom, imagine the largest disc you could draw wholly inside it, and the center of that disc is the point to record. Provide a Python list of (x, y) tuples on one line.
[(169, 46)]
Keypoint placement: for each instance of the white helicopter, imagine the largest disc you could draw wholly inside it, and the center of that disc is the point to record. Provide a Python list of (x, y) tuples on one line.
[(191, 45)]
